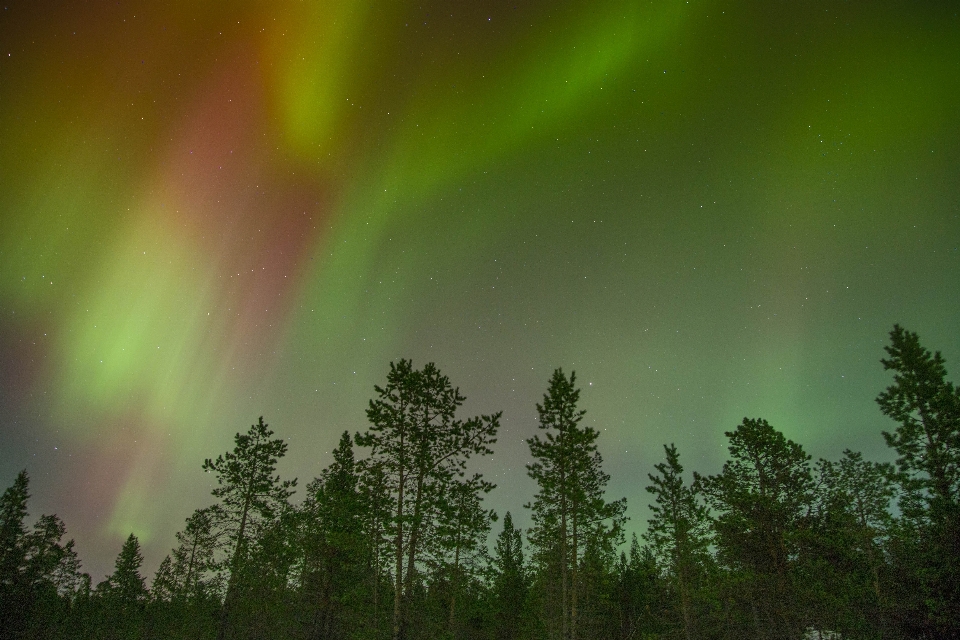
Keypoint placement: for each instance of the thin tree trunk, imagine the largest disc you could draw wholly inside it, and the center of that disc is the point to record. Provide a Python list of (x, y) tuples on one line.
[(685, 608), (563, 568), (574, 579), (234, 565), (376, 577), (398, 542), (412, 553), (186, 580), (453, 583)]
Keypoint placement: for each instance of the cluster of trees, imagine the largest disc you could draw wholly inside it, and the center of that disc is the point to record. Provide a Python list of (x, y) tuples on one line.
[(395, 544)]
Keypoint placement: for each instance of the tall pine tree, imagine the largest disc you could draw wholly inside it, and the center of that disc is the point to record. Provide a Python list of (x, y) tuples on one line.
[(927, 440), (421, 447), (251, 497), (762, 497), (569, 504), (678, 533)]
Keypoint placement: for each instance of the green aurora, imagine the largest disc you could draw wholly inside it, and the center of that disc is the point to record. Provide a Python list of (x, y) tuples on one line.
[(215, 211)]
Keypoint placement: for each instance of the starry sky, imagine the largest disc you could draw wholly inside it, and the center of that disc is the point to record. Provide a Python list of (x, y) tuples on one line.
[(216, 211)]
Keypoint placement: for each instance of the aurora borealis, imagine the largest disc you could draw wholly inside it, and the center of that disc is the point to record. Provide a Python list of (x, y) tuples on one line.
[(216, 211)]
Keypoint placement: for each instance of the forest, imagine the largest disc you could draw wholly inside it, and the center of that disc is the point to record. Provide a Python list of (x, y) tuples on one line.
[(393, 541)]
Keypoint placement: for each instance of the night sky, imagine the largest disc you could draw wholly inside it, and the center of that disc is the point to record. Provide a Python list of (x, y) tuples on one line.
[(216, 211)]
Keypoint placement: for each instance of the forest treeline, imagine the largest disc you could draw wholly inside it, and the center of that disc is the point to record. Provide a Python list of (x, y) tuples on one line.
[(391, 540)]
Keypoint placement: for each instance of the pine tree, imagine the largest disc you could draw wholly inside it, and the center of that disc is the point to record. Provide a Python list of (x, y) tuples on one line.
[(14, 598), (569, 504), (678, 533), (460, 538), (762, 497), (376, 502), (927, 440), (420, 446), (186, 590), (843, 580), (39, 574), (251, 496), (13, 531)]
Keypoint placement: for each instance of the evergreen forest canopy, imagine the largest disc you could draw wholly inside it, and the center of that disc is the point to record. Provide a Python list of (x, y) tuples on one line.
[(395, 544)]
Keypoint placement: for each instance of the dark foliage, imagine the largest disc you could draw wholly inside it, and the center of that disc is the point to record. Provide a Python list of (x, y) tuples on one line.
[(395, 544)]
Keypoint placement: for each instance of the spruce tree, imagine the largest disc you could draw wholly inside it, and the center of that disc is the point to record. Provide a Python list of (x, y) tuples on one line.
[(39, 574), (510, 582), (334, 545), (14, 597), (125, 587), (123, 594)]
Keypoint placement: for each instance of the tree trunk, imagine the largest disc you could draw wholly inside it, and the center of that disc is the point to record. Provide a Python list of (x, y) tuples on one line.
[(453, 584), (234, 565), (563, 569), (411, 555), (574, 578), (398, 578), (685, 608)]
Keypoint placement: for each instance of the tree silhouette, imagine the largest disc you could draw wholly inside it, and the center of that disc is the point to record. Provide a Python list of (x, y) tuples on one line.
[(123, 594), (250, 497), (125, 586), (927, 441), (678, 533), (569, 503), (510, 582), (762, 496), (420, 446), (37, 570), (334, 542), (460, 537)]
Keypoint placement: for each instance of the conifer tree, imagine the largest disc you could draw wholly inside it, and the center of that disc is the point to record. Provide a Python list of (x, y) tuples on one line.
[(510, 582), (13, 531), (927, 440), (843, 559), (420, 446), (678, 533), (195, 557), (123, 594), (37, 570), (14, 599), (460, 538), (125, 587), (251, 496), (376, 502), (333, 542), (188, 585), (762, 497), (642, 594), (569, 504)]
